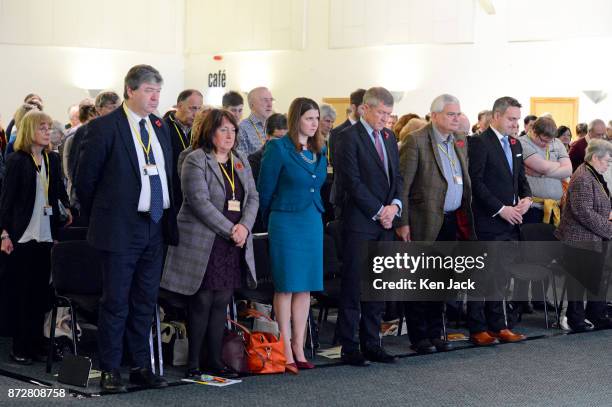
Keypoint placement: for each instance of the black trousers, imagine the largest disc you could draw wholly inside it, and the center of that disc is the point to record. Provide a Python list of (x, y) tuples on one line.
[(207, 315), (486, 314), (355, 316), (424, 318), (129, 296), (29, 265), (579, 262)]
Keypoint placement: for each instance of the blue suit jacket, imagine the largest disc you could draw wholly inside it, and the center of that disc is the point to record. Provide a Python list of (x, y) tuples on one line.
[(108, 182), (286, 182)]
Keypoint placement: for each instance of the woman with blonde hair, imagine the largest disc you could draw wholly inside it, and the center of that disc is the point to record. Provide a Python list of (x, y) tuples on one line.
[(29, 220)]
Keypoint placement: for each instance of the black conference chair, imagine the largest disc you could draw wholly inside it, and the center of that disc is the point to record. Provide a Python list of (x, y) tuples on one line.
[(76, 271), (539, 263)]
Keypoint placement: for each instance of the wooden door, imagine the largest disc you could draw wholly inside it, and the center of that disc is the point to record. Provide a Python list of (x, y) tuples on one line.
[(341, 105), (564, 110)]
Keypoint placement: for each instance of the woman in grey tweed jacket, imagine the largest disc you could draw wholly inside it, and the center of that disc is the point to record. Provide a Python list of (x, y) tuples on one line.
[(215, 251), (585, 229)]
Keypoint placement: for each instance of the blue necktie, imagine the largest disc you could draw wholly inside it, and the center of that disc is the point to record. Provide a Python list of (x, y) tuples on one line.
[(157, 195), (507, 151)]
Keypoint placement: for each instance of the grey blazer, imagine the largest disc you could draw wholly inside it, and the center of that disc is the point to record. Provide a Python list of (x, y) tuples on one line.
[(201, 219)]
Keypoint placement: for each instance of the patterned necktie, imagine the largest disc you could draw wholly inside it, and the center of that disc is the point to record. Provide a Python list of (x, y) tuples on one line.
[(157, 195), (379, 147), (507, 151)]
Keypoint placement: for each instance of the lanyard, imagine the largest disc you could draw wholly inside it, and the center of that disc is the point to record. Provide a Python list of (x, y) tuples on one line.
[(44, 180), (261, 138), (230, 180), (452, 161), (180, 134), (146, 149)]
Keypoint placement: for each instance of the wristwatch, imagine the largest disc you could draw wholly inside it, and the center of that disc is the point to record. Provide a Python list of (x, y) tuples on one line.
[(4, 236)]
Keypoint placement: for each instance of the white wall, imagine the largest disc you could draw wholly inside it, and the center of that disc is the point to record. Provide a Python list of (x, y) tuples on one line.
[(61, 48), (477, 72)]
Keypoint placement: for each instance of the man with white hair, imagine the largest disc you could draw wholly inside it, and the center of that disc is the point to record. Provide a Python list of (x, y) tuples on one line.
[(434, 159), (597, 130), (252, 130)]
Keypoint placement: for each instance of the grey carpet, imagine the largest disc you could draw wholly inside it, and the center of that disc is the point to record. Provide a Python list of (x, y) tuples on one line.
[(565, 370)]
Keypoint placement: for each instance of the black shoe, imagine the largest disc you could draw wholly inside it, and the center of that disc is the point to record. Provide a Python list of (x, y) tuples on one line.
[(424, 346), (602, 323), (225, 372), (144, 377), (441, 345), (581, 328), (193, 374), (378, 354), (111, 382), (20, 360), (354, 358)]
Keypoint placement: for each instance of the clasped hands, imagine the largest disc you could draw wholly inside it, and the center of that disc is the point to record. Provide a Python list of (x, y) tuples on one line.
[(239, 234), (387, 215), (514, 214)]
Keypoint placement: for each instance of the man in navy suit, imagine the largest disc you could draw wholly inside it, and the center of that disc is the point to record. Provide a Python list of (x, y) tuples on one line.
[(356, 99), (124, 184), (501, 196), (368, 169)]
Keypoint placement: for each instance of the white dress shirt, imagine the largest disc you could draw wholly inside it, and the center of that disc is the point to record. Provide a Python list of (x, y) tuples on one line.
[(144, 202)]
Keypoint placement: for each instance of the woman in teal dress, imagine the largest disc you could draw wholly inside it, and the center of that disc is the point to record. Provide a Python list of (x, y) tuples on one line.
[(293, 169)]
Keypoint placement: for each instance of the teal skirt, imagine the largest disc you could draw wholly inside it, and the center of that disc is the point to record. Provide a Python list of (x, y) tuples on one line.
[(296, 250)]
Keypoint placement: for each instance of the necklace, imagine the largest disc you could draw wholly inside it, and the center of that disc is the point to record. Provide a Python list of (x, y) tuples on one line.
[(308, 160)]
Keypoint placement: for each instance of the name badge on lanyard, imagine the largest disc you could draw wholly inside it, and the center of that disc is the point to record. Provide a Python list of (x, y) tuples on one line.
[(150, 170), (233, 205)]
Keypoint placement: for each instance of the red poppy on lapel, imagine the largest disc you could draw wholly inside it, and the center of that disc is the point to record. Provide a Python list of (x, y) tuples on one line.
[(239, 166), (158, 123), (512, 140), (385, 134), (460, 143)]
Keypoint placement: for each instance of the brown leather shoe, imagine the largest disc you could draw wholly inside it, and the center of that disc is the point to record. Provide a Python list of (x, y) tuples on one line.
[(506, 335), (482, 339)]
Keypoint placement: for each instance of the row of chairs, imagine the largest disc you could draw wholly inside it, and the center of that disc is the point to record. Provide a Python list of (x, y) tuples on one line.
[(77, 276)]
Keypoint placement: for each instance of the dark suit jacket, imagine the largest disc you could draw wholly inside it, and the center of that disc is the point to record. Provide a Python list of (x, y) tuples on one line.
[(425, 186), (108, 182), (19, 193), (333, 140), (493, 185), (177, 148), (363, 178)]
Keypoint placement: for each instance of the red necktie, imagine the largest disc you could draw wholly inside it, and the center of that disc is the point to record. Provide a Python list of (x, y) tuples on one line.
[(379, 147)]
